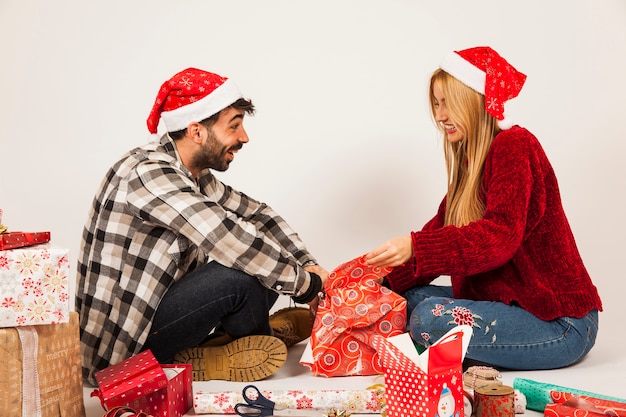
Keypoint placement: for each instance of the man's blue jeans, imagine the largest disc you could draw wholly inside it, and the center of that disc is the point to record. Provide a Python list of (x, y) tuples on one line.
[(209, 296), (506, 337)]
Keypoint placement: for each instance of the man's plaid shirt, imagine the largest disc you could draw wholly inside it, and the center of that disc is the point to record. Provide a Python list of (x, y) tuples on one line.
[(151, 223)]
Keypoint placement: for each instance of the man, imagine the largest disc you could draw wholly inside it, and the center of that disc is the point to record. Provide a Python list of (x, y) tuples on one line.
[(169, 253)]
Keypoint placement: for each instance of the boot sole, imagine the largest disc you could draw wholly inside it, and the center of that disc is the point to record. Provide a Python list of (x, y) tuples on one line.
[(247, 359)]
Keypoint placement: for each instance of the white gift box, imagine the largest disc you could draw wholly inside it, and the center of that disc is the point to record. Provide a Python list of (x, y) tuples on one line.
[(34, 286)]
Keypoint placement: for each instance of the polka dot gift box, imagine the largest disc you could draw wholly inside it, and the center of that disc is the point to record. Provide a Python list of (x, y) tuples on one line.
[(143, 384), (428, 384)]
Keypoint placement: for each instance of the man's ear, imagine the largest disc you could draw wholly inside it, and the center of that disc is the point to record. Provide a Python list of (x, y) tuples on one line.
[(195, 131)]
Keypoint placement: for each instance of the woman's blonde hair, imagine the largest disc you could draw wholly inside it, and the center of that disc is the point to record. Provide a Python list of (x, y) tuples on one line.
[(465, 160)]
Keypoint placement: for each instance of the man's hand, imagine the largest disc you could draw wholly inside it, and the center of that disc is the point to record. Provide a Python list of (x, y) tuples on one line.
[(323, 274)]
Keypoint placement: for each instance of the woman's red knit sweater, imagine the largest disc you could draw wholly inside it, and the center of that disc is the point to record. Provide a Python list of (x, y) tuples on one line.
[(522, 251)]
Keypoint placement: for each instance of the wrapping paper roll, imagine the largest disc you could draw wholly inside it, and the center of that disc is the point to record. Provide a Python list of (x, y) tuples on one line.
[(495, 400), (368, 401), (538, 393)]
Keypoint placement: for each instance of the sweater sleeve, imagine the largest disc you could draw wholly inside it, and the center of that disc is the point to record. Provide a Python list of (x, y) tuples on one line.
[(511, 174), (511, 170)]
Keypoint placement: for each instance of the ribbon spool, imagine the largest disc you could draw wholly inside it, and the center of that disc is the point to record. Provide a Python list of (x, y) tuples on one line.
[(494, 400)]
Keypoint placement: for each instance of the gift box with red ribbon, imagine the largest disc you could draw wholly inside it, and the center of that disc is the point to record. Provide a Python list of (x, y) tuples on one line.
[(143, 384)]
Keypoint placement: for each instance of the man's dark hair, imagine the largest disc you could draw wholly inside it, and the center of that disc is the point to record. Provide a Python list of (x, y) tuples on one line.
[(241, 104)]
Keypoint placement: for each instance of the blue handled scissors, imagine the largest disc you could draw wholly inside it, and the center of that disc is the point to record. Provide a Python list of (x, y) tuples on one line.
[(257, 405)]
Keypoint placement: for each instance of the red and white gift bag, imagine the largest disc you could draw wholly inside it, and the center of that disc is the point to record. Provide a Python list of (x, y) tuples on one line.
[(354, 309), (426, 385)]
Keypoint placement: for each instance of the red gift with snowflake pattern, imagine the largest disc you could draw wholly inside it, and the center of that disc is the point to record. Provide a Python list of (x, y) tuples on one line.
[(34, 286)]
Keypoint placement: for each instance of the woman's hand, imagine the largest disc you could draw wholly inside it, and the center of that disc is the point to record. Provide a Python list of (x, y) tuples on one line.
[(393, 252)]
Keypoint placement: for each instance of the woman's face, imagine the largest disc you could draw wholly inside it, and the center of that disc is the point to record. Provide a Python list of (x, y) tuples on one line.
[(442, 116)]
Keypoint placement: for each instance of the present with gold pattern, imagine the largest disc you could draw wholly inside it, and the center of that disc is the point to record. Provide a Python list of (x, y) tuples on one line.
[(34, 286)]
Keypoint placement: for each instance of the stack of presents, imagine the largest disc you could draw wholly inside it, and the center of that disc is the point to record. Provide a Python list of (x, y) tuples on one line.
[(40, 369), (40, 365)]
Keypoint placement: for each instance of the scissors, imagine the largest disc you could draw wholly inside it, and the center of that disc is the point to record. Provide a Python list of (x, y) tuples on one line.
[(258, 405)]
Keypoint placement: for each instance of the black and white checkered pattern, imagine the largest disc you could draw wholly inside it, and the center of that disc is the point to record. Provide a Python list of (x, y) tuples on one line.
[(151, 223)]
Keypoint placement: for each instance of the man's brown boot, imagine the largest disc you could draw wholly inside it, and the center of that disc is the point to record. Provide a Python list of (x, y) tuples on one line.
[(292, 324), (250, 358)]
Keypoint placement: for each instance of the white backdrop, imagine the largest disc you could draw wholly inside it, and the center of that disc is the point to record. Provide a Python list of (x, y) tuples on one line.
[(342, 144)]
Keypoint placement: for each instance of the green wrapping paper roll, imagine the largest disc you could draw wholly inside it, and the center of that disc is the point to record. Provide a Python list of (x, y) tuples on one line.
[(538, 393)]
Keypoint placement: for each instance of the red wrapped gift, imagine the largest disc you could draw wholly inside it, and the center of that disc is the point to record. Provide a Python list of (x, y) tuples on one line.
[(354, 309), (14, 240), (143, 384), (566, 404)]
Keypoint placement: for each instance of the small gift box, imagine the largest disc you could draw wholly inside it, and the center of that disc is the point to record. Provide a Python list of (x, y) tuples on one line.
[(13, 240), (41, 370), (566, 404), (143, 384), (34, 286), (480, 376)]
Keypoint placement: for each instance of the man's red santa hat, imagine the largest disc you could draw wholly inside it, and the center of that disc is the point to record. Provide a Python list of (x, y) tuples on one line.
[(192, 95)]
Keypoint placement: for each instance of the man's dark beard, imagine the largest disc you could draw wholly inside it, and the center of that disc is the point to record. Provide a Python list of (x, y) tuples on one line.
[(213, 154)]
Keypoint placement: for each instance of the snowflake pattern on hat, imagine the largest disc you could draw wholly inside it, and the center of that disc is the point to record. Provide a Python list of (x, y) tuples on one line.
[(192, 95), (484, 70)]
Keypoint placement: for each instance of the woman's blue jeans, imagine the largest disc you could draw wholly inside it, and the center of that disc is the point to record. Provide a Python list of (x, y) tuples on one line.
[(209, 296), (506, 337)]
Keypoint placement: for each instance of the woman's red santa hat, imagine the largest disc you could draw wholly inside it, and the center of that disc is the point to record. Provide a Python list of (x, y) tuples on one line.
[(192, 95), (483, 70)]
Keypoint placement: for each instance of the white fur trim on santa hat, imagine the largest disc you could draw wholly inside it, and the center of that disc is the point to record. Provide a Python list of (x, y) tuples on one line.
[(220, 98), (506, 123), (464, 71)]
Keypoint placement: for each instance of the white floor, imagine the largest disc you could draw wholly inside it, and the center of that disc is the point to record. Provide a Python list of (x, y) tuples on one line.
[(603, 371)]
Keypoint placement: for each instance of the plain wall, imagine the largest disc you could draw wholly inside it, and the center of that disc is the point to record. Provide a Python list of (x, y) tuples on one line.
[(342, 144)]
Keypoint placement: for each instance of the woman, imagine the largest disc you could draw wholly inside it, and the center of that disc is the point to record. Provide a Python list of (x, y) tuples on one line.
[(500, 233)]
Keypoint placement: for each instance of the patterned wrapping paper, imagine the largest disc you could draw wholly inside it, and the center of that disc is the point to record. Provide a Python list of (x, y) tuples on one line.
[(538, 393), (354, 309), (575, 405), (34, 286), (368, 401), (57, 367)]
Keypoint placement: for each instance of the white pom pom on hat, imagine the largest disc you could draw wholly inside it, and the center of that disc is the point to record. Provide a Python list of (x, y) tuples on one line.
[(485, 71)]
